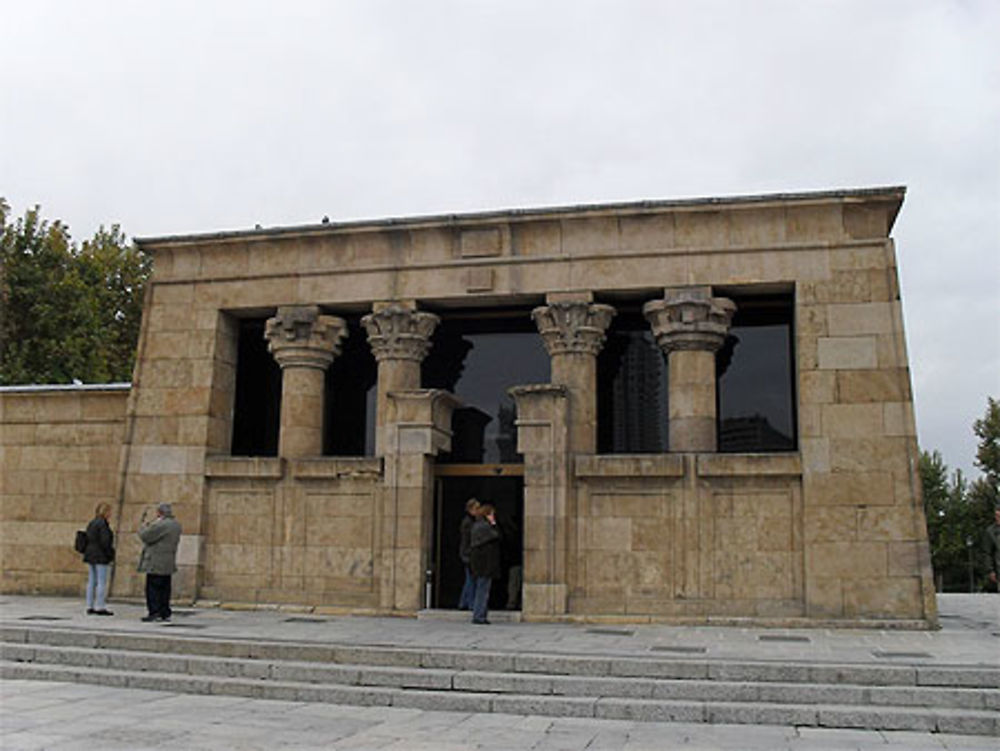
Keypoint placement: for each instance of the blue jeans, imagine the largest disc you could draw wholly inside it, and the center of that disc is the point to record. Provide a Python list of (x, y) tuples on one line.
[(97, 585), (468, 591), (481, 598)]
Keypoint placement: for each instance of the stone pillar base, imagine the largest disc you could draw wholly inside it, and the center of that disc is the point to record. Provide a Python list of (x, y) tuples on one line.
[(543, 600)]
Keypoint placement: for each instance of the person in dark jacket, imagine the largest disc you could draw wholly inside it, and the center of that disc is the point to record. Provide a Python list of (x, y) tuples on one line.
[(484, 559), (99, 555), (464, 538), (158, 561)]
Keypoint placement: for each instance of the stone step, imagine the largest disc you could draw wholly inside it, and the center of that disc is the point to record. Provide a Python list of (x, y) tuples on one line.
[(503, 682), (652, 666), (925, 719)]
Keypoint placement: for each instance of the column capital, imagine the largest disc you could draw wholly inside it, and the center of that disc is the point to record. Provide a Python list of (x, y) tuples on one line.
[(298, 336), (573, 326), (689, 318), (396, 332)]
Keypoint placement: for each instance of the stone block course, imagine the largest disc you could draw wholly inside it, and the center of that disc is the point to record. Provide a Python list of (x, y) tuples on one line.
[(868, 386), (856, 319), (847, 352)]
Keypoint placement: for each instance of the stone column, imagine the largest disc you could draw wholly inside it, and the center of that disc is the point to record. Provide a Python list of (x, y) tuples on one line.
[(573, 328), (399, 336), (304, 344), (690, 325)]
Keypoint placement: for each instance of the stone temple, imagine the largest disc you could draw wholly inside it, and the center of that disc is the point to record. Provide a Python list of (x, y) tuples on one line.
[(684, 411)]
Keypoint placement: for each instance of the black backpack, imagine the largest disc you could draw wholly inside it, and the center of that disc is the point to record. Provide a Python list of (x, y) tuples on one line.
[(80, 543)]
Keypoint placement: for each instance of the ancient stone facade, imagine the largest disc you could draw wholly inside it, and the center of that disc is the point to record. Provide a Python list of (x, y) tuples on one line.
[(654, 476)]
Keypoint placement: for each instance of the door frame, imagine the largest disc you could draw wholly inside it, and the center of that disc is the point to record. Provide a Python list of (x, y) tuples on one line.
[(461, 470)]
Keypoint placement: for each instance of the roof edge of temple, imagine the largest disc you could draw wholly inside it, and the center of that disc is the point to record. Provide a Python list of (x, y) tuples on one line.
[(894, 194)]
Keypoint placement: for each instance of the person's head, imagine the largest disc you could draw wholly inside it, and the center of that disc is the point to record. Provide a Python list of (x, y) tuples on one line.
[(164, 510), (487, 511), (103, 510), (471, 506), (996, 514)]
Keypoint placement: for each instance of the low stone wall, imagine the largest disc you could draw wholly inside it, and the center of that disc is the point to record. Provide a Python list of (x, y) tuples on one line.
[(299, 532), (672, 536), (59, 458)]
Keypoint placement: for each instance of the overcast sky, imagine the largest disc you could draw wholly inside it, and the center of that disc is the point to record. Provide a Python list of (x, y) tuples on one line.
[(176, 117)]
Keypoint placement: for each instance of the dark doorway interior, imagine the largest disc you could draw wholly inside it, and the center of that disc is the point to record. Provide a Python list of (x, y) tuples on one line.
[(507, 495)]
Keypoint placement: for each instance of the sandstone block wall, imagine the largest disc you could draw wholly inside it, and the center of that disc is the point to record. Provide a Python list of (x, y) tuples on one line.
[(59, 457), (290, 532)]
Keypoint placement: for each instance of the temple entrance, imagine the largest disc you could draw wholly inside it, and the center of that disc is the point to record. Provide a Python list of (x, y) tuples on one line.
[(478, 356), (504, 488)]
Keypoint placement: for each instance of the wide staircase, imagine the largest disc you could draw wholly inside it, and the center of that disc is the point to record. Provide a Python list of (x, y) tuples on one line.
[(956, 699)]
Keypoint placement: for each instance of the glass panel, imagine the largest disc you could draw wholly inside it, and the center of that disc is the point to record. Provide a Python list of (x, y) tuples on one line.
[(755, 385), (631, 390), (351, 390), (257, 409), (478, 360)]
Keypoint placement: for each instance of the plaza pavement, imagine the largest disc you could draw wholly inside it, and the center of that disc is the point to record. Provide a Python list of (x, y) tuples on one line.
[(51, 715)]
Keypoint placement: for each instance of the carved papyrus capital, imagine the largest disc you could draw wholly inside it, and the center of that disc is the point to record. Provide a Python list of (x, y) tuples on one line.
[(398, 333), (298, 336), (573, 326), (689, 318)]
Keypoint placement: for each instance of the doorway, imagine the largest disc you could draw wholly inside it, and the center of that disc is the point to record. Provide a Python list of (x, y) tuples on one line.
[(504, 488)]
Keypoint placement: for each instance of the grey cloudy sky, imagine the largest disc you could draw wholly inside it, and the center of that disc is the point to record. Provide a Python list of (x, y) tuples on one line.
[(176, 117)]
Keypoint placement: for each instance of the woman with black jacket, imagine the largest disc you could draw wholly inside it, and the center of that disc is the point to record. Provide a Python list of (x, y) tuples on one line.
[(98, 555), (484, 559)]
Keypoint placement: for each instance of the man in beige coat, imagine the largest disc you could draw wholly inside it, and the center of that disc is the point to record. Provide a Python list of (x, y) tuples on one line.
[(159, 560)]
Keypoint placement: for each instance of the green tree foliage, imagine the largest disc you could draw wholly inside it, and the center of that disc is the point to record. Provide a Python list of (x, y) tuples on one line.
[(958, 512), (985, 491), (68, 311)]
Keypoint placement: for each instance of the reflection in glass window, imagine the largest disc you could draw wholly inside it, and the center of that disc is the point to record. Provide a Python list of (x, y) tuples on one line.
[(478, 359), (756, 399), (631, 389)]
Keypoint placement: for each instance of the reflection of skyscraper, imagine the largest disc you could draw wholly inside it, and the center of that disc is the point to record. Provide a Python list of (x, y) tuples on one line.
[(752, 433), (638, 397)]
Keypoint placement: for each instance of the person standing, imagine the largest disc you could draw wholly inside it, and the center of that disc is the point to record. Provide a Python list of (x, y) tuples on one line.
[(159, 560), (464, 538), (484, 559), (991, 550), (99, 555)]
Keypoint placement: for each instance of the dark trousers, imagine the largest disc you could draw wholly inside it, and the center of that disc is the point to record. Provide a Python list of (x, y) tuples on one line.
[(468, 591), (481, 599), (158, 595)]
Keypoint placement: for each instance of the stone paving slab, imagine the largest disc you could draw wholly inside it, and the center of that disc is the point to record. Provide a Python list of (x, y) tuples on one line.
[(75, 717)]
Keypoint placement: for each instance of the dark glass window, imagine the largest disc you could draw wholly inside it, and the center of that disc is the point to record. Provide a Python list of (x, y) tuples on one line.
[(756, 398), (478, 358), (631, 389), (351, 380), (257, 409)]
